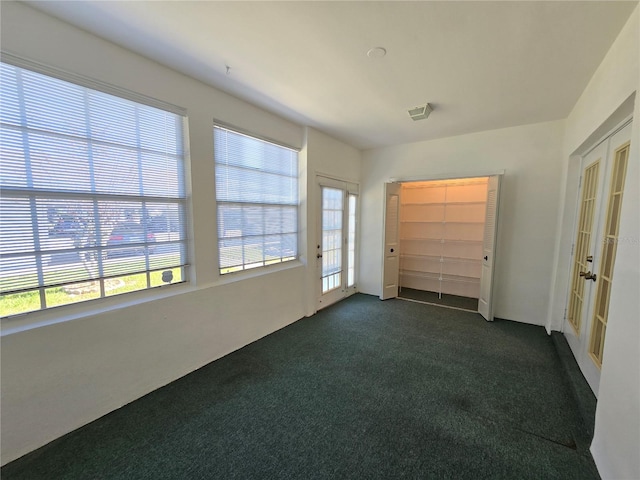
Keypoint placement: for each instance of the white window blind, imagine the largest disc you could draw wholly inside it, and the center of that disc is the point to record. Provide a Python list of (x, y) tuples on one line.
[(257, 199), (93, 194)]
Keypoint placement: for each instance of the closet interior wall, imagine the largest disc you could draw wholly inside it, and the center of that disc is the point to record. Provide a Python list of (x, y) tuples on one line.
[(441, 233)]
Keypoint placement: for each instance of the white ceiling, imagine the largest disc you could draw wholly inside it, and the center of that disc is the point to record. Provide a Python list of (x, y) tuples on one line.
[(482, 65)]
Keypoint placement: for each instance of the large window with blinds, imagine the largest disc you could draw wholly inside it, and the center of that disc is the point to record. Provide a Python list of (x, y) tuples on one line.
[(257, 200), (92, 200)]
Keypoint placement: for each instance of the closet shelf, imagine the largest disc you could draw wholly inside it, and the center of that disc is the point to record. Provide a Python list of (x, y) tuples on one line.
[(437, 258), (439, 240), (413, 273), (439, 222), (482, 202), (442, 278)]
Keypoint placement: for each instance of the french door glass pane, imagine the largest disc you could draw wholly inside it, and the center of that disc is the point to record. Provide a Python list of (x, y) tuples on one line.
[(332, 212), (583, 245), (609, 246)]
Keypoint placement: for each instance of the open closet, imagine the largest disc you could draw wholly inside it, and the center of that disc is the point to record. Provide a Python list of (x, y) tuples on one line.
[(442, 227)]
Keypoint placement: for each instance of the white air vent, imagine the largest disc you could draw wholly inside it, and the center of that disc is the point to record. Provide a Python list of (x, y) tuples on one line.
[(421, 112)]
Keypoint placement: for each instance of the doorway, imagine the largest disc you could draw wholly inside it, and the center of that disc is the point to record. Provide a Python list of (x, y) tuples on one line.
[(445, 242), (336, 247), (441, 234), (600, 196)]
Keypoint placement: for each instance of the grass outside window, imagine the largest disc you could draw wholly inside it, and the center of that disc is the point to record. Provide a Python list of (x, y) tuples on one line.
[(25, 302)]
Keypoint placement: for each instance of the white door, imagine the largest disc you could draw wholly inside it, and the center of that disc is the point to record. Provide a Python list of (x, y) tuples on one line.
[(591, 182), (485, 307), (600, 200), (337, 241), (391, 257)]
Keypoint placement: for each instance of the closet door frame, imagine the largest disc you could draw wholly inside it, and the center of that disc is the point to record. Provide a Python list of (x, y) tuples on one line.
[(451, 176)]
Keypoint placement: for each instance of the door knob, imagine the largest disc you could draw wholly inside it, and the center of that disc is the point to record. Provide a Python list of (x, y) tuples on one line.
[(590, 258), (319, 255), (486, 258), (588, 276)]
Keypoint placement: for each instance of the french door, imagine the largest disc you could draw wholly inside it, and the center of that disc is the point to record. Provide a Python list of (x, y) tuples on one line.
[(594, 251), (336, 248)]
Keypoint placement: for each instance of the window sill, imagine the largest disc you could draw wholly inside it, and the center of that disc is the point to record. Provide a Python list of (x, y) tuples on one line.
[(255, 272)]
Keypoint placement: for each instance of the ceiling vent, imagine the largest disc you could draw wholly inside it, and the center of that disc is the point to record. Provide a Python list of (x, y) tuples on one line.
[(421, 112)]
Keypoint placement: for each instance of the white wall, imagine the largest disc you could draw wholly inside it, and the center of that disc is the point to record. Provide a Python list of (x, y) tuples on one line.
[(531, 156), (616, 441), (59, 377)]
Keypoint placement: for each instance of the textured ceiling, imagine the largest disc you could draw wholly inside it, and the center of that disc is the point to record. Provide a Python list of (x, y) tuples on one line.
[(482, 65)]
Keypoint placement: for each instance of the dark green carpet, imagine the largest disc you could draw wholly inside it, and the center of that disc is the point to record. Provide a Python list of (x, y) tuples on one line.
[(583, 396), (432, 297), (363, 390)]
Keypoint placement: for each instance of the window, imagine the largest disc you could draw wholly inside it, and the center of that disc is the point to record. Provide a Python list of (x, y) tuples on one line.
[(257, 199), (93, 194)]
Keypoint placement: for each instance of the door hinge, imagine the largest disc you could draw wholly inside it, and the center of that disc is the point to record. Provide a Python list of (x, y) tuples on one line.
[(565, 314), (572, 247), (580, 182)]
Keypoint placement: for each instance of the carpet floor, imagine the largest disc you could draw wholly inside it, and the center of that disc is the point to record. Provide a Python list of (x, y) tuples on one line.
[(365, 389)]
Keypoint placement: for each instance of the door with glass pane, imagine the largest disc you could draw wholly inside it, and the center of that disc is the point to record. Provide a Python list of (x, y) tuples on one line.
[(601, 192), (336, 248)]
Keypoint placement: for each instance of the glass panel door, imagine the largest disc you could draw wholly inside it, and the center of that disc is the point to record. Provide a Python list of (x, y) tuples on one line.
[(583, 245), (337, 252), (603, 179), (607, 257)]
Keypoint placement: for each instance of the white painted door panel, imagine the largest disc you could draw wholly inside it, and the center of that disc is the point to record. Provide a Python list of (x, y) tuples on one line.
[(391, 262), (485, 306), (591, 181)]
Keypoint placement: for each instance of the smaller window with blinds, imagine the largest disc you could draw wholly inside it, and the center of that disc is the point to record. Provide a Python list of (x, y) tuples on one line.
[(257, 201), (93, 195)]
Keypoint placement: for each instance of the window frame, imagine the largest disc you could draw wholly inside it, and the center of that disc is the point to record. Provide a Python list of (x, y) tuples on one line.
[(183, 202)]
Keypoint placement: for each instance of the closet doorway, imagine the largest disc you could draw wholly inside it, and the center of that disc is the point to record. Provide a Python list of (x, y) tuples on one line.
[(445, 241)]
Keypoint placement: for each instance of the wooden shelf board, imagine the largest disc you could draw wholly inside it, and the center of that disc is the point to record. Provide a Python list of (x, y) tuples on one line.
[(441, 222), (441, 240), (423, 204), (438, 257)]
